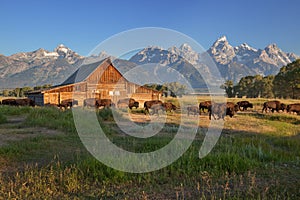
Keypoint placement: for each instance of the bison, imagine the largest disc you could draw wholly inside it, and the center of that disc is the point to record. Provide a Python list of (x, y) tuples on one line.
[(293, 108), (152, 103), (244, 105), (221, 110), (130, 102), (273, 105), (106, 103), (192, 109), (233, 106), (18, 102), (97, 103), (67, 103), (204, 105), (10, 102), (168, 106)]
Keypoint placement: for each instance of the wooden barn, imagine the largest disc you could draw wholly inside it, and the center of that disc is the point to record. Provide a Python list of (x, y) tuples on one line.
[(96, 80)]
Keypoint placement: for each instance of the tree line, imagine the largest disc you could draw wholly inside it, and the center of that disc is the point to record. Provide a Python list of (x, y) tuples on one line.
[(21, 92), (172, 89), (286, 84)]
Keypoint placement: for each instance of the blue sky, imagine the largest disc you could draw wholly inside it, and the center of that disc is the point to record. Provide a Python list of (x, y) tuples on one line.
[(82, 25)]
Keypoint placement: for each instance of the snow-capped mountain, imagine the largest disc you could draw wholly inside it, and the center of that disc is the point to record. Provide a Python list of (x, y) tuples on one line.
[(244, 60), (174, 58), (232, 62), (38, 67), (222, 52), (53, 67)]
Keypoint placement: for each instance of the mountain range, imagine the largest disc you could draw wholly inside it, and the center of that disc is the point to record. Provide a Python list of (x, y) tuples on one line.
[(53, 67)]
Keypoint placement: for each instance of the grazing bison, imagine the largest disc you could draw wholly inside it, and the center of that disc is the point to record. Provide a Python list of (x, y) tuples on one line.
[(152, 103), (233, 106), (244, 105), (106, 103), (10, 102), (130, 102), (273, 105), (18, 102), (168, 106), (192, 109), (25, 102), (67, 103), (156, 107), (204, 105), (293, 108), (97, 103), (221, 110)]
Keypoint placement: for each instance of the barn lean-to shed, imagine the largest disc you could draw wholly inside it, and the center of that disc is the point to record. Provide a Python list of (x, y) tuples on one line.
[(100, 80)]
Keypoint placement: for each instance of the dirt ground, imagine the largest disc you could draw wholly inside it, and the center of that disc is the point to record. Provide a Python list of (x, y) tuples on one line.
[(12, 131)]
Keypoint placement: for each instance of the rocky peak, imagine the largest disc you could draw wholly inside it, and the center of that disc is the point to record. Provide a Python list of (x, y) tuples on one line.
[(185, 48), (244, 47), (222, 51)]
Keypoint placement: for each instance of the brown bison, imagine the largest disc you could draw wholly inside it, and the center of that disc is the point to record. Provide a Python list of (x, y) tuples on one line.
[(244, 105), (220, 110), (18, 102), (129, 102), (97, 103), (273, 105), (106, 103), (67, 103), (204, 105), (233, 106), (168, 106), (10, 102), (192, 109), (153, 103), (293, 108)]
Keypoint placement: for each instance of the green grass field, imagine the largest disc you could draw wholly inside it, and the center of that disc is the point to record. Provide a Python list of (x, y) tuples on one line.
[(42, 157)]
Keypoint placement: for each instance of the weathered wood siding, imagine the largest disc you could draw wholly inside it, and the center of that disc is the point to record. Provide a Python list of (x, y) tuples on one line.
[(106, 82)]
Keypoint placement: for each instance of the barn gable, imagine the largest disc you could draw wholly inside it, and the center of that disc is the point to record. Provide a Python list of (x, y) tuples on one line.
[(97, 80)]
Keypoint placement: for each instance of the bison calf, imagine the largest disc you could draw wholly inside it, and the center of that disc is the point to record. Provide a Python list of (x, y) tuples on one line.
[(244, 105), (293, 108), (129, 102)]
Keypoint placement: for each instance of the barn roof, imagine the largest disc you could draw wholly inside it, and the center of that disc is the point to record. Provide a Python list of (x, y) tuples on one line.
[(83, 72)]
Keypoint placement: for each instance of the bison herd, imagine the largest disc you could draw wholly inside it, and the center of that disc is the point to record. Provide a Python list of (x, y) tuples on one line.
[(18, 102), (215, 110)]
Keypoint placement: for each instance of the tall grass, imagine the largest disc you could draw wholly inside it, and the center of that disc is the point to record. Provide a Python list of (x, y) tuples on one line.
[(3, 119), (15, 110), (51, 118), (243, 165), (59, 181)]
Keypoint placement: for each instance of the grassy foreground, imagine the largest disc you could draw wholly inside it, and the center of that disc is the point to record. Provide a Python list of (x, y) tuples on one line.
[(257, 157)]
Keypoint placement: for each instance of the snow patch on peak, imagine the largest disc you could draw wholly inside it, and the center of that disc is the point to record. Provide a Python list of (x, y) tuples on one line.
[(222, 39), (246, 46), (62, 48), (51, 54), (185, 47)]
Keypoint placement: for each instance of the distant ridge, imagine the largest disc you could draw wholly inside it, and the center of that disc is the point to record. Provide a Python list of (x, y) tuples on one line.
[(53, 67)]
